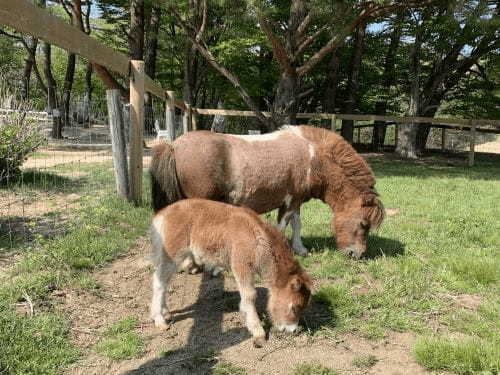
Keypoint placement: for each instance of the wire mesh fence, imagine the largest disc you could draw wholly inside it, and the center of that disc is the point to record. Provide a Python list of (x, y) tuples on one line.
[(51, 179)]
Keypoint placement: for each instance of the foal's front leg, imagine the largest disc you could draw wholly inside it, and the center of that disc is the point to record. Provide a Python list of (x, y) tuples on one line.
[(248, 296)]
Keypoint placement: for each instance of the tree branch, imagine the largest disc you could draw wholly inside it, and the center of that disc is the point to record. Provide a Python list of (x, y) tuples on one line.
[(211, 60), (278, 48), (370, 12)]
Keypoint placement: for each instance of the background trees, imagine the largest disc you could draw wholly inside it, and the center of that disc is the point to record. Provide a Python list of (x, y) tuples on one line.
[(423, 58)]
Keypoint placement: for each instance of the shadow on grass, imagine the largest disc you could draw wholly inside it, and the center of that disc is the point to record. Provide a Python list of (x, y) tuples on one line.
[(450, 165), (206, 337), (377, 246), (44, 181), (319, 314), (16, 232)]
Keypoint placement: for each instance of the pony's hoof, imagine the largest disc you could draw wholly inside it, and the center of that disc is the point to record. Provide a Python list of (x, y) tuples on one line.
[(259, 342)]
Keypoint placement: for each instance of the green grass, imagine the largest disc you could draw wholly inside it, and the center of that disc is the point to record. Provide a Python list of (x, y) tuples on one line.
[(443, 242), (313, 368), (102, 228), (467, 356), (228, 368), (364, 361), (120, 341)]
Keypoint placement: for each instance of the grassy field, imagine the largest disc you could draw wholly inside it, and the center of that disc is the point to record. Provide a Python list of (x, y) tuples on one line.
[(433, 269)]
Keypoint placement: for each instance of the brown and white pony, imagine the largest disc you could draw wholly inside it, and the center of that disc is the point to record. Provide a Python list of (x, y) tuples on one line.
[(281, 170), (216, 234)]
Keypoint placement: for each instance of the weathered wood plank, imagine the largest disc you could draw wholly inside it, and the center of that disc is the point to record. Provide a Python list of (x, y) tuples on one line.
[(25, 17), (137, 125), (117, 127), (170, 115)]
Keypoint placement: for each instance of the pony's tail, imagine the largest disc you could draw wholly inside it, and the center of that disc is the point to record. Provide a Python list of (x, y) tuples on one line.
[(165, 188)]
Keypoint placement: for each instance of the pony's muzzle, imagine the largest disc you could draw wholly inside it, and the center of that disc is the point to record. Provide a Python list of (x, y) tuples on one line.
[(353, 252)]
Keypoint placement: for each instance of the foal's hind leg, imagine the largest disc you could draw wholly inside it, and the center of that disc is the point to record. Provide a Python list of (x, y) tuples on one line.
[(164, 268)]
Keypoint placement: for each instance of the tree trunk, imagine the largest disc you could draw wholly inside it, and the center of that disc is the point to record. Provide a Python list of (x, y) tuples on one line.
[(136, 33), (407, 140), (67, 88), (389, 78), (352, 101), (150, 65), (285, 102), (330, 96), (32, 44), (52, 106)]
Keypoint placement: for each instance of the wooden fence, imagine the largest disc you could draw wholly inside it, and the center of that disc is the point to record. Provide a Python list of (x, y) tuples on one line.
[(470, 125), (24, 16)]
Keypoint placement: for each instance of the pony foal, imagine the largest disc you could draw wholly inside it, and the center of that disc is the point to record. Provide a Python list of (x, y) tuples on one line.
[(216, 235)]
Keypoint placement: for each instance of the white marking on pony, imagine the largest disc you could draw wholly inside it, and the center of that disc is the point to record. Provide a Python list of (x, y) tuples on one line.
[(294, 129), (297, 244), (311, 156), (258, 137), (288, 200)]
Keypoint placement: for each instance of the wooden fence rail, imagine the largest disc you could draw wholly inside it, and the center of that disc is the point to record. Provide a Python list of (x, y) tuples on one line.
[(470, 125), (24, 16)]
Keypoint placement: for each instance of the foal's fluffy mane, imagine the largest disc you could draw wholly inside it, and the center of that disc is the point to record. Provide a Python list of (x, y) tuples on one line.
[(354, 168)]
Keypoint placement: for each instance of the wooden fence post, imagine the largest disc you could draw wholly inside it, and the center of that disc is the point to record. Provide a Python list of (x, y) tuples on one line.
[(186, 120), (396, 130), (170, 115), (194, 119), (472, 142), (333, 123), (137, 126), (443, 139), (118, 144)]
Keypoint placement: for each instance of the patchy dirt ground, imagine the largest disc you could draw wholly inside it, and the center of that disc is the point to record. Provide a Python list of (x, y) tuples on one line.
[(206, 317)]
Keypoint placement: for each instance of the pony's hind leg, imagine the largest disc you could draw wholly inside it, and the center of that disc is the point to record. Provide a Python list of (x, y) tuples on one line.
[(164, 268), (297, 244)]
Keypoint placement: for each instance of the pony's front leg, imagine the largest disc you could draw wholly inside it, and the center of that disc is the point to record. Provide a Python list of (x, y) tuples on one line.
[(297, 244), (248, 296), (284, 217)]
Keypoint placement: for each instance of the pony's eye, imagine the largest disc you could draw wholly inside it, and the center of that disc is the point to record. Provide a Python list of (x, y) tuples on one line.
[(365, 225)]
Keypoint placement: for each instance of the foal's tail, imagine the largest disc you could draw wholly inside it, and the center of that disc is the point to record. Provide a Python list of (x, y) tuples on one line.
[(165, 188)]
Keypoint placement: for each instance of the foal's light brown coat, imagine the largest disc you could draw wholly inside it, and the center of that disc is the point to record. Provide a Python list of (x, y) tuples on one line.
[(215, 234), (278, 170)]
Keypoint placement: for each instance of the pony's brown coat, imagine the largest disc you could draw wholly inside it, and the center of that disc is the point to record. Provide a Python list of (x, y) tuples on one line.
[(278, 170), (220, 235)]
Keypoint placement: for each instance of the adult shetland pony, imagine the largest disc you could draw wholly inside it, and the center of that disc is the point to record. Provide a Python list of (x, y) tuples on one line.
[(281, 170), (216, 234)]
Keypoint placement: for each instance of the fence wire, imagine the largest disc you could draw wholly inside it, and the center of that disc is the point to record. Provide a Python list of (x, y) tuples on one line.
[(54, 180)]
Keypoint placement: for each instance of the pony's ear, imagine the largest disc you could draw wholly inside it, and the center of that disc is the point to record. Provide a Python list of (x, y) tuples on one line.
[(369, 199), (295, 283)]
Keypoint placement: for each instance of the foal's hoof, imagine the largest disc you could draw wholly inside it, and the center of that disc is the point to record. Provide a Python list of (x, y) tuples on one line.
[(259, 342), (161, 325)]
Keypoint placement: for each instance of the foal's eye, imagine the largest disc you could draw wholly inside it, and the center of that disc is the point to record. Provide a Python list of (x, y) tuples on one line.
[(365, 225)]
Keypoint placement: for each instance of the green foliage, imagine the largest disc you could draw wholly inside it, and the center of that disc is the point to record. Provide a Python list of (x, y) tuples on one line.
[(19, 136), (313, 368)]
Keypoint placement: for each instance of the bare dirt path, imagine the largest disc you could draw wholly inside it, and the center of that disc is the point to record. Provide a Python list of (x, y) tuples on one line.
[(206, 318)]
